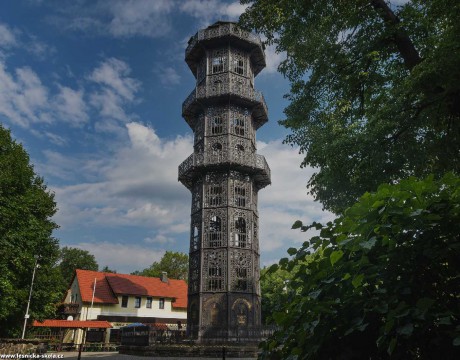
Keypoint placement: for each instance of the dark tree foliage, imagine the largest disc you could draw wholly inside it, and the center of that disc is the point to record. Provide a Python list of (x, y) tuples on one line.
[(375, 89), (173, 263), (72, 259), (26, 208), (381, 281)]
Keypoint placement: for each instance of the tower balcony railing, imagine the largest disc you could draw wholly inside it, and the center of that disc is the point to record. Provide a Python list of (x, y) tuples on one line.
[(230, 86), (256, 162), (224, 29)]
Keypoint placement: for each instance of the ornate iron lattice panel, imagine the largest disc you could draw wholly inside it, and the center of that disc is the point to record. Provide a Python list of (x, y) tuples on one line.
[(196, 232), (214, 270), (194, 273), (241, 264), (215, 231)]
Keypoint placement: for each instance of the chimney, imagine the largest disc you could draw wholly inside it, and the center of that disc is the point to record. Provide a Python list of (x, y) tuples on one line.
[(164, 276)]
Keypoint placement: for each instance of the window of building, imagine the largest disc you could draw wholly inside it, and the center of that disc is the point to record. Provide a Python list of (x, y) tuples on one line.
[(217, 64), (215, 195), (240, 232), (240, 196), (215, 232), (238, 66), (137, 302), (124, 301), (162, 303), (215, 281), (238, 126), (217, 125), (148, 303)]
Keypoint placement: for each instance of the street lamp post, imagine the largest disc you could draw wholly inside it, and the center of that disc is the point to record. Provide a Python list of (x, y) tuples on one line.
[(30, 295)]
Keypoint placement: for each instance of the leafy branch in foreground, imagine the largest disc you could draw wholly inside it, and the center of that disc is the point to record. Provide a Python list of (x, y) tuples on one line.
[(382, 280)]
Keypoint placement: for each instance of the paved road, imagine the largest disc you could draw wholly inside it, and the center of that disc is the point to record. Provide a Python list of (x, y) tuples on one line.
[(117, 356)]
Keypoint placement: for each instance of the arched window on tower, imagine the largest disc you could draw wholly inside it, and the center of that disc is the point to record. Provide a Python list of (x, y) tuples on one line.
[(240, 232), (240, 196), (238, 126), (215, 232), (215, 195), (217, 125), (238, 66), (217, 63)]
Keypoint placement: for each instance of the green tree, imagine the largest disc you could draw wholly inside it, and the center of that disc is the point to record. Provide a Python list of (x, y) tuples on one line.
[(375, 90), (274, 290), (26, 208), (72, 259), (382, 280), (174, 263), (106, 269)]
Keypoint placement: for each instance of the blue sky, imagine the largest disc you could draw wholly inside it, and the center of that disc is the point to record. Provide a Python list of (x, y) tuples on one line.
[(93, 90)]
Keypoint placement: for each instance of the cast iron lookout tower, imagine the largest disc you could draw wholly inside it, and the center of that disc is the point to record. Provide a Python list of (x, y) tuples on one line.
[(224, 174)]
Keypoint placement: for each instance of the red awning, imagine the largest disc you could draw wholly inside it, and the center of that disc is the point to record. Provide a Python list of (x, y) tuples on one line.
[(93, 324)]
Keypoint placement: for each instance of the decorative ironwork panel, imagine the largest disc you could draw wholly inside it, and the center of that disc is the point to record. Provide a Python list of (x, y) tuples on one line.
[(240, 193), (194, 273), (216, 191), (241, 123), (218, 61), (197, 196), (214, 270), (201, 70), (196, 232), (217, 120), (216, 150), (214, 312), (241, 266), (215, 231), (238, 62), (199, 129), (240, 228)]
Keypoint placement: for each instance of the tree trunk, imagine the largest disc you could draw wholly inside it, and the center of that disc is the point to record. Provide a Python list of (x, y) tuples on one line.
[(404, 44)]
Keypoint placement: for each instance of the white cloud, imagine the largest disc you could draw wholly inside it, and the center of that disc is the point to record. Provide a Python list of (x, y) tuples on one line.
[(7, 37), (125, 258), (212, 10), (286, 200), (116, 89), (114, 74), (136, 186), (168, 76), (117, 18), (70, 105), (23, 98)]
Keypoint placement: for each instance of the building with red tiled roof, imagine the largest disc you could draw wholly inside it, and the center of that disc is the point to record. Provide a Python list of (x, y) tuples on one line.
[(123, 299)]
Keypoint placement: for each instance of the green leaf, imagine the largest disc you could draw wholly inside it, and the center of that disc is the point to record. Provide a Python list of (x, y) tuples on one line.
[(369, 244), (297, 224), (357, 280), (406, 329), (456, 341), (391, 346), (292, 251), (335, 256)]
